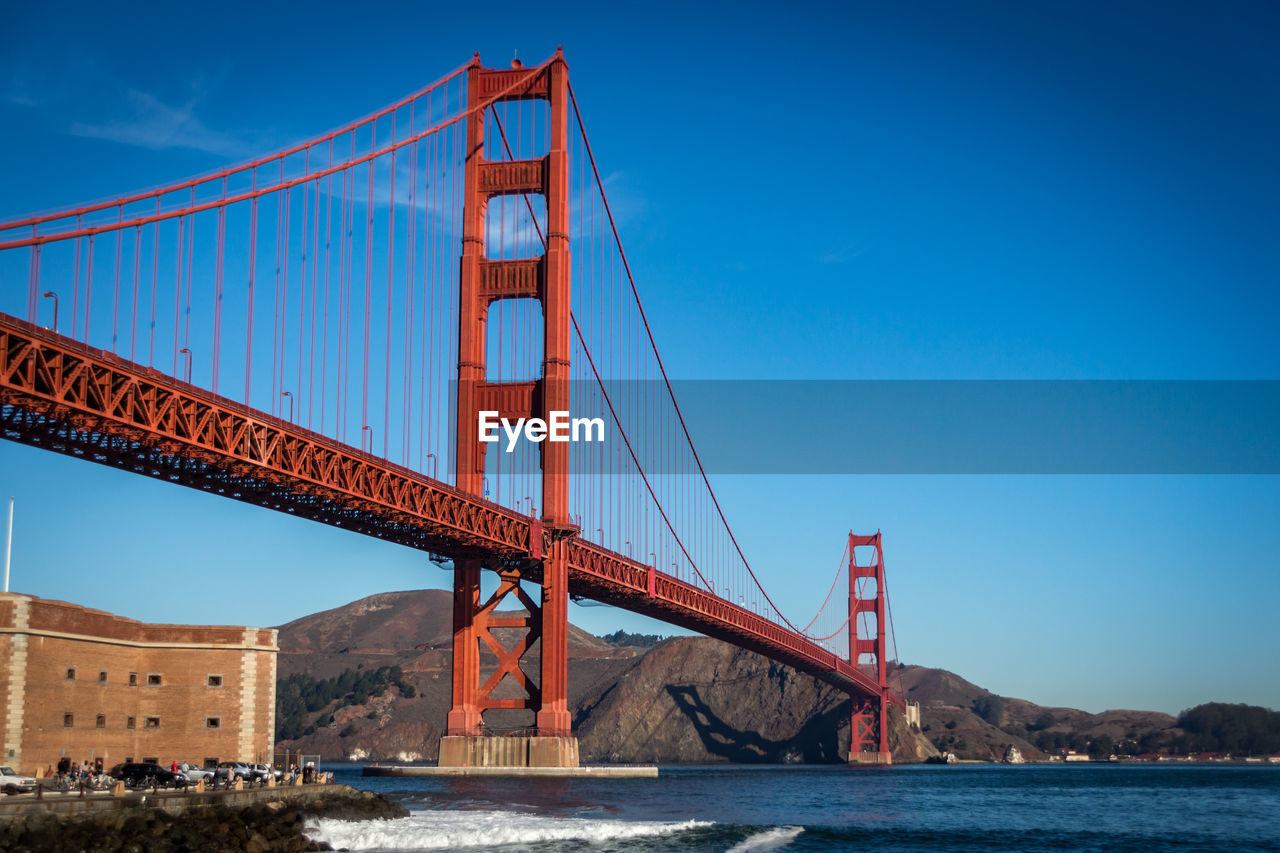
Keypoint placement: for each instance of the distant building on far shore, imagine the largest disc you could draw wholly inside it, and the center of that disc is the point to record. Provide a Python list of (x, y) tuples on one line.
[(90, 685)]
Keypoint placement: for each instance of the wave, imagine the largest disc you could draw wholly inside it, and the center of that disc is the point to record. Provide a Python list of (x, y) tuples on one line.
[(770, 839), (451, 829)]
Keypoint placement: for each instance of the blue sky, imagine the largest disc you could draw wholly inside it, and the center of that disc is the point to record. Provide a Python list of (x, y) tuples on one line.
[(925, 191)]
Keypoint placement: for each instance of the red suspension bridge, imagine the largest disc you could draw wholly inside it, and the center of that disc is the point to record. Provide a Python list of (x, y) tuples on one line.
[(319, 331)]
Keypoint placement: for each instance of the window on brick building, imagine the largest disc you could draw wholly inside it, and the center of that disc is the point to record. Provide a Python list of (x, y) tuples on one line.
[(101, 721), (131, 723), (215, 681), (71, 673), (154, 679), (133, 679), (213, 722), (68, 720), (102, 676), (151, 722)]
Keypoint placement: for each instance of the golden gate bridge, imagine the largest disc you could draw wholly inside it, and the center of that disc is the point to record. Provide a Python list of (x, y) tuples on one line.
[(318, 331)]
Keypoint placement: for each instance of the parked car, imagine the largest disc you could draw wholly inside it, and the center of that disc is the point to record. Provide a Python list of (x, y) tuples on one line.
[(263, 772), (229, 771), (11, 782), (195, 773), (145, 775)]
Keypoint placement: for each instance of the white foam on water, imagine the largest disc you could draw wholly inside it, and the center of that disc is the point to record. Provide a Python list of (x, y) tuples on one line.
[(451, 829), (770, 839)]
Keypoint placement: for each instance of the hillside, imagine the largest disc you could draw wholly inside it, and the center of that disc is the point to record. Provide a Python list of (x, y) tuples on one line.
[(411, 630), (695, 699), (371, 680), (950, 718), (686, 699)]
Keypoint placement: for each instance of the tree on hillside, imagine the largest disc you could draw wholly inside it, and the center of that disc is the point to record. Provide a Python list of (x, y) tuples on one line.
[(1127, 746), (300, 695), (623, 638), (989, 707), (1043, 721), (1050, 741), (1222, 727)]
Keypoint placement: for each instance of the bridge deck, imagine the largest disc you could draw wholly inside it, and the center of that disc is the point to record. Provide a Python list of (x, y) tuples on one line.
[(62, 395)]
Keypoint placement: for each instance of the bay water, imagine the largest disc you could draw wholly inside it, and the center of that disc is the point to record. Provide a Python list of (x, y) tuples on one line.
[(1031, 807)]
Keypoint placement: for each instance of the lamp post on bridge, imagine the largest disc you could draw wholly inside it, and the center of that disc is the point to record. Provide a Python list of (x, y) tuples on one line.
[(432, 457), (187, 352), (289, 394), (47, 294), (363, 429)]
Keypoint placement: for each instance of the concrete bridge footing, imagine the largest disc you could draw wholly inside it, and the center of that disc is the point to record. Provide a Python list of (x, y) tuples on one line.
[(521, 751)]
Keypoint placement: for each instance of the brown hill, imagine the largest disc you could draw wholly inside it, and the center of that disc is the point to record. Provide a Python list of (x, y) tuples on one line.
[(411, 630), (688, 699), (949, 720), (695, 699)]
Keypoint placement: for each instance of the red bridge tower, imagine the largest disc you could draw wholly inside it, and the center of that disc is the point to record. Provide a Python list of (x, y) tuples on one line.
[(482, 282), (869, 731)]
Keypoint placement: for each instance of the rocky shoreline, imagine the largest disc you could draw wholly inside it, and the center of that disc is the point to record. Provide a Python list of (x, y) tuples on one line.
[(272, 826)]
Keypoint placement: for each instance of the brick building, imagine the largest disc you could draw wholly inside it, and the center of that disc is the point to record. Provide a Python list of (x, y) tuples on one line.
[(92, 685)]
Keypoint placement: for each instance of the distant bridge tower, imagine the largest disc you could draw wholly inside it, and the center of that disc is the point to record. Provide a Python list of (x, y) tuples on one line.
[(484, 281), (869, 727)]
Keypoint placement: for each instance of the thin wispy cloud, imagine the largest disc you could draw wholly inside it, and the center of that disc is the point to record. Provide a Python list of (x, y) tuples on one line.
[(150, 123), (18, 97), (839, 255), (626, 202), (18, 90)]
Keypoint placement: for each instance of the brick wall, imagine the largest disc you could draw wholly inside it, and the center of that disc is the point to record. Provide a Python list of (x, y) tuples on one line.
[(89, 684)]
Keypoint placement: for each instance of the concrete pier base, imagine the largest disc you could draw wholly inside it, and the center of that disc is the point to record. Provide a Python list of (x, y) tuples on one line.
[(881, 759), (508, 752)]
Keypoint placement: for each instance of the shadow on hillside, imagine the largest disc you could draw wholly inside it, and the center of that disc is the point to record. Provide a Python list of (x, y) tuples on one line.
[(815, 743)]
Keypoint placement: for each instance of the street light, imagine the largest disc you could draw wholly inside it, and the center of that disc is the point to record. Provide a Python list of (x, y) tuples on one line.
[(188, 354), (47, 294), (362, 431), (432, 457), (289, 394)]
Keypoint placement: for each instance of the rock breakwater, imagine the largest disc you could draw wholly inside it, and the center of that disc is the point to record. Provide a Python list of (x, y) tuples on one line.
[(273, 825)]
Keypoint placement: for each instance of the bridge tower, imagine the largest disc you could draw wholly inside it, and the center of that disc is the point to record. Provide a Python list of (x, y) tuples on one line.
[(484, 281), (869, 727)]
